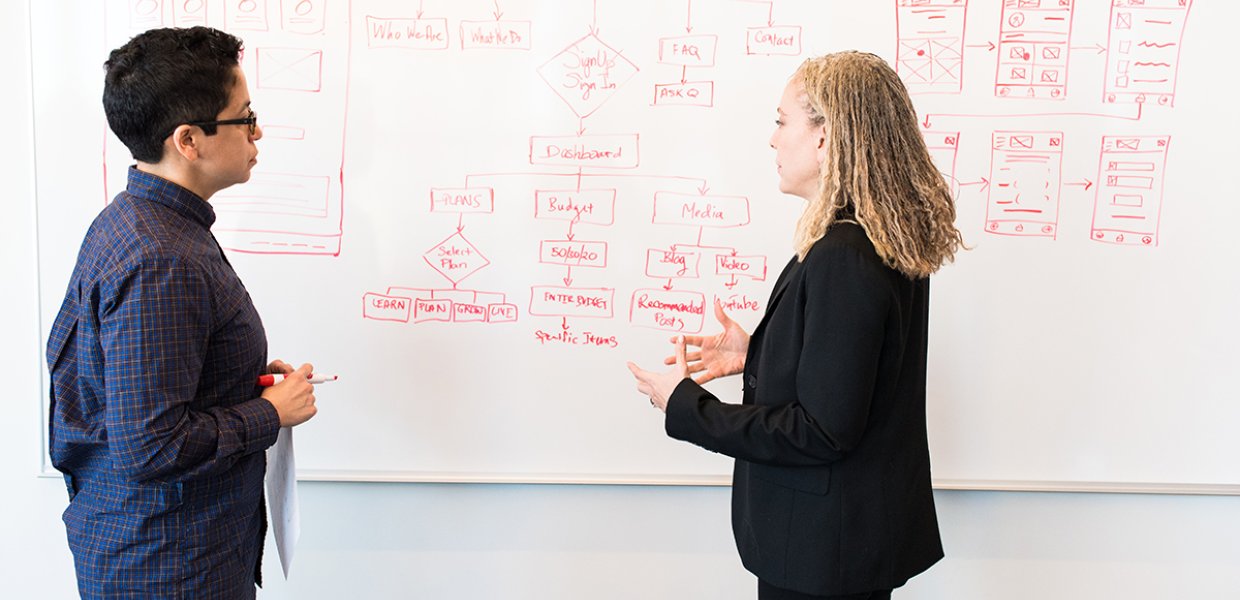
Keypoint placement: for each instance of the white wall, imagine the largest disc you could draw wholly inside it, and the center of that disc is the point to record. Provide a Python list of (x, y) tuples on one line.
[(34, 559), (364, 541)]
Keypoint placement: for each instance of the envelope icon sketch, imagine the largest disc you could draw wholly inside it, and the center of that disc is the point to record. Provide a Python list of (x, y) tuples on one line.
[(1123, 20), (1017, 52), (946, 49), (914, 47), (948, 70), (1018, 73), (915, 70), (1022, 141), (1050, 76), (1127, 144), (290, 69), (914, 62), (1050, 52)]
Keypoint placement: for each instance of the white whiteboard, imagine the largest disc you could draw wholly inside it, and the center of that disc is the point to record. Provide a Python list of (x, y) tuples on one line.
[(476, 212)]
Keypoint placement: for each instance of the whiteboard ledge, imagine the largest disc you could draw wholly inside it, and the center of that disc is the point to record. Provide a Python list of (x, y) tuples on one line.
[(1089, 487), (726, 480), (512, 478), (972, 485)]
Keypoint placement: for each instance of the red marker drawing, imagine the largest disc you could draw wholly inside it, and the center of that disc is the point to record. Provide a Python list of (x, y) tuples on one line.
[(270, 380)]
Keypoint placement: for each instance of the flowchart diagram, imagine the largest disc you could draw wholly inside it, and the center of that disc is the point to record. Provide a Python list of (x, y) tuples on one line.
[(583, 179), (578, 179), (1032, 47)]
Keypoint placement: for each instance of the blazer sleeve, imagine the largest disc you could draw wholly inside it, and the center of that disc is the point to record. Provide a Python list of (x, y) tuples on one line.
[(847, 296)]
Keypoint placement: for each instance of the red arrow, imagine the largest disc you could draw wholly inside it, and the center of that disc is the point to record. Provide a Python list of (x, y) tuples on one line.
[(689, 19), (1100, 48), (684, 71), (419, 9), (564, 324), (702, 189), (1086, 184), (594, 20), (497, 11), (581, 126), (668, 287), (568, 281), (985, 183), (460, 223), (925, 123), (989, 46), (770, 10), (731, 284)]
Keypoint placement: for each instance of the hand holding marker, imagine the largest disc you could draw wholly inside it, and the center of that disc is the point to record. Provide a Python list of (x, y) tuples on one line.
[(270, 380), (290, 391)]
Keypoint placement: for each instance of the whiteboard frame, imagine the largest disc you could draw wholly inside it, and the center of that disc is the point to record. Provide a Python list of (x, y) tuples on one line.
[(363, 476)]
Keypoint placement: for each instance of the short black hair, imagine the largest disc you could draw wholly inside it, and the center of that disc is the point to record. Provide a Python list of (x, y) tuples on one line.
[(163, 78)]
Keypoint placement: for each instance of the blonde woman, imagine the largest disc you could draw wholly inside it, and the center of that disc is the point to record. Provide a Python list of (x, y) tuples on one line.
[(831, 491)]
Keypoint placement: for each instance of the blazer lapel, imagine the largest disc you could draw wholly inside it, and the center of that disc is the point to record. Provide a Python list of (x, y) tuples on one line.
[(789, 273)]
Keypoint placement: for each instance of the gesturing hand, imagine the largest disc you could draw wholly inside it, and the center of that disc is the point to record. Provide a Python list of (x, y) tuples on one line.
[(720, 355), (659, 386)]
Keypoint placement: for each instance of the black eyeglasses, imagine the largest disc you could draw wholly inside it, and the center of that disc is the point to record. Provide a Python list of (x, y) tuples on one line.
[(251, 121)]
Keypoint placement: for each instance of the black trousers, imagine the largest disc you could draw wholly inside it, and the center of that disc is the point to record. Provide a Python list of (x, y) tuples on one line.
[(767, 591)]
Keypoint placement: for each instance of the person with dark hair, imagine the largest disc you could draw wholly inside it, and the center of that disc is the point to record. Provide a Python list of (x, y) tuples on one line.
[(156, 418), (831, 493)]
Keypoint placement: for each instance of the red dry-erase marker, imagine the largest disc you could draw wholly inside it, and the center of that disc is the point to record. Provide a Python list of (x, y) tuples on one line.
[(270, 380)]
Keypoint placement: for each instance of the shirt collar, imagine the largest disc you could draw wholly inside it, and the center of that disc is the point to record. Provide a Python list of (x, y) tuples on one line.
[(145, 186)]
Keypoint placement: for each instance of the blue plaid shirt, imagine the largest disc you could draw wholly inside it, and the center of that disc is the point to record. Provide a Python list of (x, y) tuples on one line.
[(156, 419)]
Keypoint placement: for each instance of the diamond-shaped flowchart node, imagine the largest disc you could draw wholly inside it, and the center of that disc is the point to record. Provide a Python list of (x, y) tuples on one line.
[(455, 258), (587, 74)]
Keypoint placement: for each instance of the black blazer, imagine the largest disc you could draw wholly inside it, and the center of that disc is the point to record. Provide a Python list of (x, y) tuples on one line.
[(831, 491)]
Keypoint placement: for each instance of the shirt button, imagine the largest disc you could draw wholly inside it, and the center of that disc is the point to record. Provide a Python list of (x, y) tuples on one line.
[(752, 381)]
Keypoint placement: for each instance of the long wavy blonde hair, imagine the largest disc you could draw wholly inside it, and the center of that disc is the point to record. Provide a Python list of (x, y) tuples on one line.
[(877, 169)]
